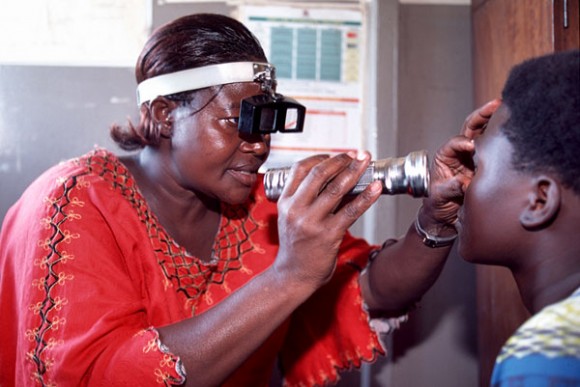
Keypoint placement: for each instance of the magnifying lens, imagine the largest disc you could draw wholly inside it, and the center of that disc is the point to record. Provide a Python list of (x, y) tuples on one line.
[(268, 112)]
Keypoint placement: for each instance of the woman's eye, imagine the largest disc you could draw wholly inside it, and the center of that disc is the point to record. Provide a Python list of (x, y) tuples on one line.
[(232, 120)]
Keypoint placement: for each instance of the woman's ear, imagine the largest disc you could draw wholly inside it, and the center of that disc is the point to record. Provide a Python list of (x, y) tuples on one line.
[(161, 109), (544, 201)]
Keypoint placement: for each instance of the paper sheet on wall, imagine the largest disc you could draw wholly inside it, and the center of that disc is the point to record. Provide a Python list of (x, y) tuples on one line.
[(73, 32), (318, 54)]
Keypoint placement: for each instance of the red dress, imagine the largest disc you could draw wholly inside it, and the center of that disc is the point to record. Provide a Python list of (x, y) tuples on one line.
[(87, 273)]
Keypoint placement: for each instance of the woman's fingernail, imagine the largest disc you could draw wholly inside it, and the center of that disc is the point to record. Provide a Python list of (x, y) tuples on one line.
[(361, 155), (376, 186)]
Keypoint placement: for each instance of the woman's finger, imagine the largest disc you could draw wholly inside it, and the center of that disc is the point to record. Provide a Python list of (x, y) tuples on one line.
[(477, 121)]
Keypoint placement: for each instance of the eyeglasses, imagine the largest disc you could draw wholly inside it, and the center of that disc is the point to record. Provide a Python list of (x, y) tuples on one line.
[(269, 113)]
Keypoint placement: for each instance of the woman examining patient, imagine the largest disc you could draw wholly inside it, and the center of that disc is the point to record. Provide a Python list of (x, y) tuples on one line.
[(170, 267)]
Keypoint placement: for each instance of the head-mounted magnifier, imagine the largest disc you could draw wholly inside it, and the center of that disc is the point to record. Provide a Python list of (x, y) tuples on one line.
[(263, 113)]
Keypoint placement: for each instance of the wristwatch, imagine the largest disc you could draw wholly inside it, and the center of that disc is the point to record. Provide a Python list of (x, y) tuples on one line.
[(432, 240)]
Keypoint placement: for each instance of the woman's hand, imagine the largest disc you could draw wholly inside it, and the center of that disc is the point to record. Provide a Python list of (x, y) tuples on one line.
[(452, 170), (313, 217), (402, 272), (476, 122)]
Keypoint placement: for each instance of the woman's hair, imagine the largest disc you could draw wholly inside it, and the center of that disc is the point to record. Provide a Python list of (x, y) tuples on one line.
[(543, 97), (185, 43)]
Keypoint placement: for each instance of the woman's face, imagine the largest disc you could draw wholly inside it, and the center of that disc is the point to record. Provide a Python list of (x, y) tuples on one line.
[(489, 224), (209, 155)]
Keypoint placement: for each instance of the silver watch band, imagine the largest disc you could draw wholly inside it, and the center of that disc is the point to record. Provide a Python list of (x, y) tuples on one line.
[(432, 240)]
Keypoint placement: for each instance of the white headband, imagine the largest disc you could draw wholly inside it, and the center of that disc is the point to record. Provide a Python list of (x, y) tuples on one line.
[(201, 77)]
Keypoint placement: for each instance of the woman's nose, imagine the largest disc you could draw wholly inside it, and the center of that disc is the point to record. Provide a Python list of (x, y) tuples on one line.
[(258, 144)]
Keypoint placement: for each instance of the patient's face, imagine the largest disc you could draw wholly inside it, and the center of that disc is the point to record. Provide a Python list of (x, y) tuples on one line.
[(489, 219)]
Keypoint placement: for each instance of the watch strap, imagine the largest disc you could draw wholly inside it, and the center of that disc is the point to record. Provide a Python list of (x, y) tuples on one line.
[(432, 240)]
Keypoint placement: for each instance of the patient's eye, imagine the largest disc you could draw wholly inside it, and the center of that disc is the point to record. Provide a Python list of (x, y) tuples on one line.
[(474, 163)]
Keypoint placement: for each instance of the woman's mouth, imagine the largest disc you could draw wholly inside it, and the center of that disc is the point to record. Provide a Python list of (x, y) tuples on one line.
[(246, 178)]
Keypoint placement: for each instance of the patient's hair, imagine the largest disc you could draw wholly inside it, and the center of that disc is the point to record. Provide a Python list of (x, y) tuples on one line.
[(543, 97)]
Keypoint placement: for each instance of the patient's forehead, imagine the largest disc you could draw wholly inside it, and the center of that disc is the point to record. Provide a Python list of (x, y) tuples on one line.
[(497, 120)]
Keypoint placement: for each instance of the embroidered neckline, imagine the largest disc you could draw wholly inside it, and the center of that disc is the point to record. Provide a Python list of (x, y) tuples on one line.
[(188, 274)]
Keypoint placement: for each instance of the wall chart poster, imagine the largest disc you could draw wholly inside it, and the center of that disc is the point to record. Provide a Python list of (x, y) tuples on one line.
[(319, 55)]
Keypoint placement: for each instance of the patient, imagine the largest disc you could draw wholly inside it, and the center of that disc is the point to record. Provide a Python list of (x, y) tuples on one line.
[(522, 211)]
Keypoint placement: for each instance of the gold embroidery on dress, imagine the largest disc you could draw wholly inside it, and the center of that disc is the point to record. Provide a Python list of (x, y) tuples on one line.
[(51, 263), (187, 275)]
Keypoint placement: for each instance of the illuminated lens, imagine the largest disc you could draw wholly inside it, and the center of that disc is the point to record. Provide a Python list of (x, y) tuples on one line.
[(291, 121)]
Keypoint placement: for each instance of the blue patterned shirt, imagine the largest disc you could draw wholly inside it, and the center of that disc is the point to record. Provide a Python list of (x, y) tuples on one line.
[(544, 351)]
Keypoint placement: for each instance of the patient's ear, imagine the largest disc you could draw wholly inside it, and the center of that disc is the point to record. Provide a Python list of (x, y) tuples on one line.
[(543, 203)]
